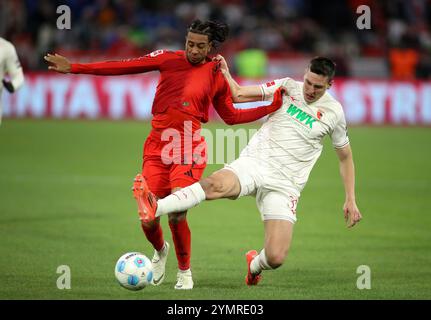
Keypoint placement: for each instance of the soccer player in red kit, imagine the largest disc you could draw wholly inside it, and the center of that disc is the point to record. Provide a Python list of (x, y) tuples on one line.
[(189, 82)]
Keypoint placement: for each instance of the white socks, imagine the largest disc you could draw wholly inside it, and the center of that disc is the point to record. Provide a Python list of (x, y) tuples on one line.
[(181, 200), (259, 263)]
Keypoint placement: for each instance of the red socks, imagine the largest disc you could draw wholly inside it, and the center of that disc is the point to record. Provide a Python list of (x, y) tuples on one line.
[(181, 236), (154, 235)]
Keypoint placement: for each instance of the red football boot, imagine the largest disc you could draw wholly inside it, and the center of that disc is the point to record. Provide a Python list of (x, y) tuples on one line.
[(251, 279), (147, 201)]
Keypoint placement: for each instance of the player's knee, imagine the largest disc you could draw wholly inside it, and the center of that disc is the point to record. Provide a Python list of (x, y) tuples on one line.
[(213, 187), (175, 218), (275, 259)]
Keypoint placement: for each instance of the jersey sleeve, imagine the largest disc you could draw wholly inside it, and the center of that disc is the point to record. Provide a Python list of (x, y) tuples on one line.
[(149, 62), (224, 106), (269, 88), (13, 68), (339, 135)]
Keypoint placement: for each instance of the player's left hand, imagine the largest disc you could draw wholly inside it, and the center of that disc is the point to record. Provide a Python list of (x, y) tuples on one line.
[(351, 213)]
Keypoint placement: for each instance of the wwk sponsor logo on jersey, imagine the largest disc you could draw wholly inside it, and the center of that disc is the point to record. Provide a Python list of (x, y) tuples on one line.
[(300, 115)]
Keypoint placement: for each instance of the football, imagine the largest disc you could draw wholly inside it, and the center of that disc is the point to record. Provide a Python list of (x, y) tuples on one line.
[(134, 271)]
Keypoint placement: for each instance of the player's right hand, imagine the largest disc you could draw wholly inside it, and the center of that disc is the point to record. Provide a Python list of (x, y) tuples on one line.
[(58, 63), (222, 62)]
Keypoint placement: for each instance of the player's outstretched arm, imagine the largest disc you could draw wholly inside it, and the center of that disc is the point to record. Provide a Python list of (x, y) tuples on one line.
[(352, 215), (58, 63), (239, 93), (150, 62), (231, 115)]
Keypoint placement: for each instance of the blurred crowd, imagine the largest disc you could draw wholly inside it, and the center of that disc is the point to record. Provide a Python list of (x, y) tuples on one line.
[(400, 30)]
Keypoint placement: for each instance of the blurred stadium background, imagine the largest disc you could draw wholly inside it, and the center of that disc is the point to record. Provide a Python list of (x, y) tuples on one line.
[(65, 180), (381, 70)]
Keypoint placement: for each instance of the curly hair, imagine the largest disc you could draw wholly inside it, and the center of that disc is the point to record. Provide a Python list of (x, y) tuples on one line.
[(216, 31)]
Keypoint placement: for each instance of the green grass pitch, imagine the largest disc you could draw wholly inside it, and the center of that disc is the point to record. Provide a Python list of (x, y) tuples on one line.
[(65, 199)]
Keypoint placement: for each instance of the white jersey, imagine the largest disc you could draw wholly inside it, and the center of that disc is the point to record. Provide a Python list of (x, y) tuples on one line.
[(10, 66), (290, 141)]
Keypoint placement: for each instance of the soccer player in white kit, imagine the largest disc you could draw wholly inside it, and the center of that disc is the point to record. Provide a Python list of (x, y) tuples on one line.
[(275, 165), (11, 74)]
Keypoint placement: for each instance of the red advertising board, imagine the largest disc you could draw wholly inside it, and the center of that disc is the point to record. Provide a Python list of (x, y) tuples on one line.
[(47, 95)]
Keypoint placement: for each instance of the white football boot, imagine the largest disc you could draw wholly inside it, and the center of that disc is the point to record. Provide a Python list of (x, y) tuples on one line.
[(184, 280), (159, 264)]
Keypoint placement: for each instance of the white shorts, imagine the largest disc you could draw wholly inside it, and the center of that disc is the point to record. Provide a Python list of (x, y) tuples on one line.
[(276, 198)]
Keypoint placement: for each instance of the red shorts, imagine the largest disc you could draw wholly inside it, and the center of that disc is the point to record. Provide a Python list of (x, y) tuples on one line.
[(161, 176)]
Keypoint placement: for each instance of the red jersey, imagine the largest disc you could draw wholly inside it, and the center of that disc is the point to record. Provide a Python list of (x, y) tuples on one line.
[(184, 92)]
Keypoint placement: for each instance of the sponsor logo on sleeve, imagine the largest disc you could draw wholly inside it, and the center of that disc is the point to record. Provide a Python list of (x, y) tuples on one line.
[(270, 84)]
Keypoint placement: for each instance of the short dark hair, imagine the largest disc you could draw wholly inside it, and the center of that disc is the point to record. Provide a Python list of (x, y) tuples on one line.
[(323, 66), (216, 31)]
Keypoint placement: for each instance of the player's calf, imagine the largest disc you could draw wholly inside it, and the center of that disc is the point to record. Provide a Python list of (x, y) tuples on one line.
[(278, 236)]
